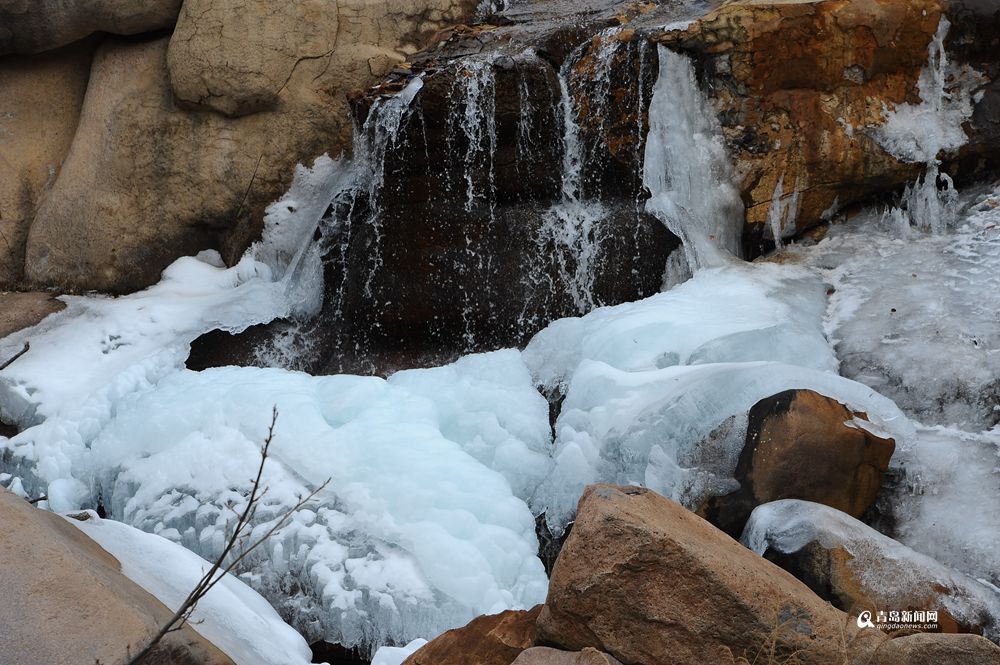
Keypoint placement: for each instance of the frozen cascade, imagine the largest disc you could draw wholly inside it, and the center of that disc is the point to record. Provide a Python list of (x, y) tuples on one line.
[(922, 133), (686, 169), (420, 529), (782, 215), (916, 320), (656, 391)]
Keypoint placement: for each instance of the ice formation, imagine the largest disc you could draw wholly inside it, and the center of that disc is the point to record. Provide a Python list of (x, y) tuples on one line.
[(686, 168), (656, 391), (916, 319), (922, 133), (416, 533), (232, 616), (891, 574)]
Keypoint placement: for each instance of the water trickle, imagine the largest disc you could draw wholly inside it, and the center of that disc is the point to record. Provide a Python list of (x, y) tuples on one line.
[(686, 168), (572, 227)]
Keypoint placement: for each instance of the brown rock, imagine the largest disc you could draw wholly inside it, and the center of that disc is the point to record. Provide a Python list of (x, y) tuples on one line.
[(31, 26), (23, 310), (935, 649), (790, 78), (803, 445), (40, 100), (857, 568), (66, 601), (496, 639), (650, 583), (547, 656)]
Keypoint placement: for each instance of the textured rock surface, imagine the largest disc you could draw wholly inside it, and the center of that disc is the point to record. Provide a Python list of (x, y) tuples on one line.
[(30, 26), (803, 445), (156, 172), (495, 639), (40, 100), (66, 601), (238, 58), (650, 583), (548, 656), (935, 649), (788, 78), (22, 310)]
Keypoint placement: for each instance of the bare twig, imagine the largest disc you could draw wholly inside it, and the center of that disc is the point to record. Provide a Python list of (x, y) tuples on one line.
[(219, 569), (17, 355)]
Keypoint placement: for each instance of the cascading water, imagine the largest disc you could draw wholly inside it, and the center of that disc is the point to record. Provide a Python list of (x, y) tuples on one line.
[(686, 168), (573, 225), (472, 126)]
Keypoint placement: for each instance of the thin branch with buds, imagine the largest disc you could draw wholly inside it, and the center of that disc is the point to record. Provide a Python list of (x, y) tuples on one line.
[(219, 569)]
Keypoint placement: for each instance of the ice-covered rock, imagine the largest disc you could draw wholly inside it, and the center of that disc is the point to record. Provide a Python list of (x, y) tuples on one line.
[(915, 318), (859, 569), (657, 392), (231, 615)]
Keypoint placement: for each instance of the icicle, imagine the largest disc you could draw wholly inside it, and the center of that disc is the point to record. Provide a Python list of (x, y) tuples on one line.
[(686, 169), (782, 214), (922, 133)]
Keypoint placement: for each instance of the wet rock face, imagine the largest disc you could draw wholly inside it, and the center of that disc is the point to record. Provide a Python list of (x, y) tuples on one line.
[(803, 445), (475, 245)]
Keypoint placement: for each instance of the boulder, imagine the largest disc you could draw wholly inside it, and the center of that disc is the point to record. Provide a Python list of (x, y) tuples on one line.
[(803, 445), (857, 569), (31, 26), (650, 583), (237, 58), (548, 656), (155, 171), (936, 649), (496, 639), (40, 101), (66, 601)]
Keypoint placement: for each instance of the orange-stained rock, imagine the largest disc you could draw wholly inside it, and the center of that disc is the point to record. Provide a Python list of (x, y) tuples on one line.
[(496, 639), (803, 445), (650, 583), (790, 80)]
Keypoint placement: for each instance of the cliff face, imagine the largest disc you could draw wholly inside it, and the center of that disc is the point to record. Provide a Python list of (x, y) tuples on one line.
[(178, 130)]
